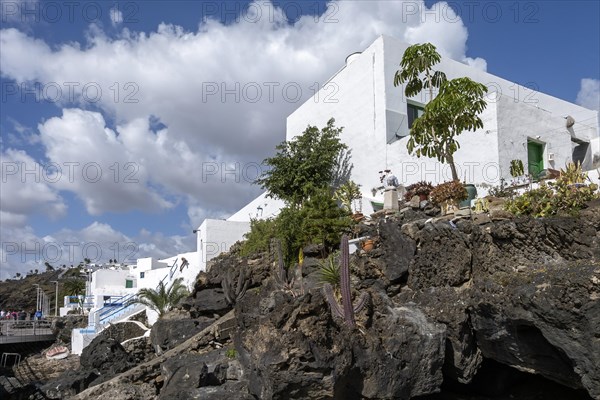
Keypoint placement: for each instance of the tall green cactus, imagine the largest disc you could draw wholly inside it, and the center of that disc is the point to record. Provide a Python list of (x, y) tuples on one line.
[(346, 309)]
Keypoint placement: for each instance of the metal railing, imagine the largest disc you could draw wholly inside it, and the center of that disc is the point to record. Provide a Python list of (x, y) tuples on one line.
[(25, 328), (119, 307)]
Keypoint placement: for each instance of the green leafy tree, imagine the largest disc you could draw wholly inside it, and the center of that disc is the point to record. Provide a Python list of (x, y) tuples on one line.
[(416, 70), (454, 110), (163, 299), (323, 220), (311, 160), (75, 287)]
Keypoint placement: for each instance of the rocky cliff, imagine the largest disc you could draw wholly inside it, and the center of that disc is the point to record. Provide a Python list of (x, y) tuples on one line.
[(458, 309)]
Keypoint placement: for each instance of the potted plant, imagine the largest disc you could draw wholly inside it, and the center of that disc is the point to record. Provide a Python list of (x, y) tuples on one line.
[(421, 189), (447, 195), (517, 171), (368, 245)]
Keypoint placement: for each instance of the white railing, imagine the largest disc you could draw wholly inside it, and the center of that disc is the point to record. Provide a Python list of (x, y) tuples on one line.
[(117, 308)]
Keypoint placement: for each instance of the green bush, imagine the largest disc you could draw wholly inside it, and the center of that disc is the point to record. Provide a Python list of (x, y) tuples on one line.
[(318, 221), (536, 202), (259, 237), (231, 353), (567, 196)]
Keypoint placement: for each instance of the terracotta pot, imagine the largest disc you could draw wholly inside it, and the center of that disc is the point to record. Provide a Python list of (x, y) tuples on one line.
[(358, 216), (368, 245)]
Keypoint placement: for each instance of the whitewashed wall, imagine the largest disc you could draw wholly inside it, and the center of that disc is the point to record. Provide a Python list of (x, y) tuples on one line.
[(217, 236), (373, 114), (188, 273)]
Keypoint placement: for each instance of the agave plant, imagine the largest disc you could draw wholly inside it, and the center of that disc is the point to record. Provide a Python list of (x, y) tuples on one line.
[(329, 272)]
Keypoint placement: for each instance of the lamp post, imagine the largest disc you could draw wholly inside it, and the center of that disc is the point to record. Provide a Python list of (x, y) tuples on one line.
[(37, 298), (55, 298)]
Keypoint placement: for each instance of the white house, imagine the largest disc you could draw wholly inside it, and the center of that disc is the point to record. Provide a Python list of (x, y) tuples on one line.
[(518, 123)]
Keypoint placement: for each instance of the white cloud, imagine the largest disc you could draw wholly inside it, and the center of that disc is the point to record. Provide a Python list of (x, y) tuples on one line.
[(24, 250), (96, 165), (589, 94), (27, 189)]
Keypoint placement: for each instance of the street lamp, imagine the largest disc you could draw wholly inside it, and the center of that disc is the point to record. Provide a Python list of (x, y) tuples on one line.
[(37, 298), (55, 299)]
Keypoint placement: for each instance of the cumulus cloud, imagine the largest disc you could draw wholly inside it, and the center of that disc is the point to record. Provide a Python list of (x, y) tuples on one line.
[(27, 189), (96, 166), (23, 250), (589, 94)]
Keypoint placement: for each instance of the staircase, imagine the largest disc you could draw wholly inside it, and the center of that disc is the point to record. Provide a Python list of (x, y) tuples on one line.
[(116, 309), (119, 308)]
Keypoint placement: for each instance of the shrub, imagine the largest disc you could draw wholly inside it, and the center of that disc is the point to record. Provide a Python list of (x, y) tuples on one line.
[(259, 237), (567, 196), (453, 190), (329, 272), (231, 353), (502, 190), (319, 220), (536, 202)]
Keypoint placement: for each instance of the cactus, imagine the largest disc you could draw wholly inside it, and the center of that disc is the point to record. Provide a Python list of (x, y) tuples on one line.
[(234, 293), (346, 309), (282, 277)]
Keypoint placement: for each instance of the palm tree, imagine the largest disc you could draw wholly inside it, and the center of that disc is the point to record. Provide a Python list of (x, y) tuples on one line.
[(75, 287), (162, 299)]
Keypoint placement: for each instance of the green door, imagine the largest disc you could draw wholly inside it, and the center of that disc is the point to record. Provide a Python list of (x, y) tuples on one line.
[(535, 159)]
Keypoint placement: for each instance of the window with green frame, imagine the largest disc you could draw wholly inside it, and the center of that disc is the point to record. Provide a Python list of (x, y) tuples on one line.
[(128, 283), (414, 111)]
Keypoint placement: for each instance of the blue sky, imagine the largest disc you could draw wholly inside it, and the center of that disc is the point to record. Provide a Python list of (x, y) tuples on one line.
[(166, 147)]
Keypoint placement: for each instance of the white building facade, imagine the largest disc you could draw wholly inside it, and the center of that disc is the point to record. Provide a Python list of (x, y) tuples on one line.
[(519, 123)]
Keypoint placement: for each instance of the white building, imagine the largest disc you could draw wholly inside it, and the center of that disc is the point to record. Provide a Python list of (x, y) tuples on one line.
[(518, 123)]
